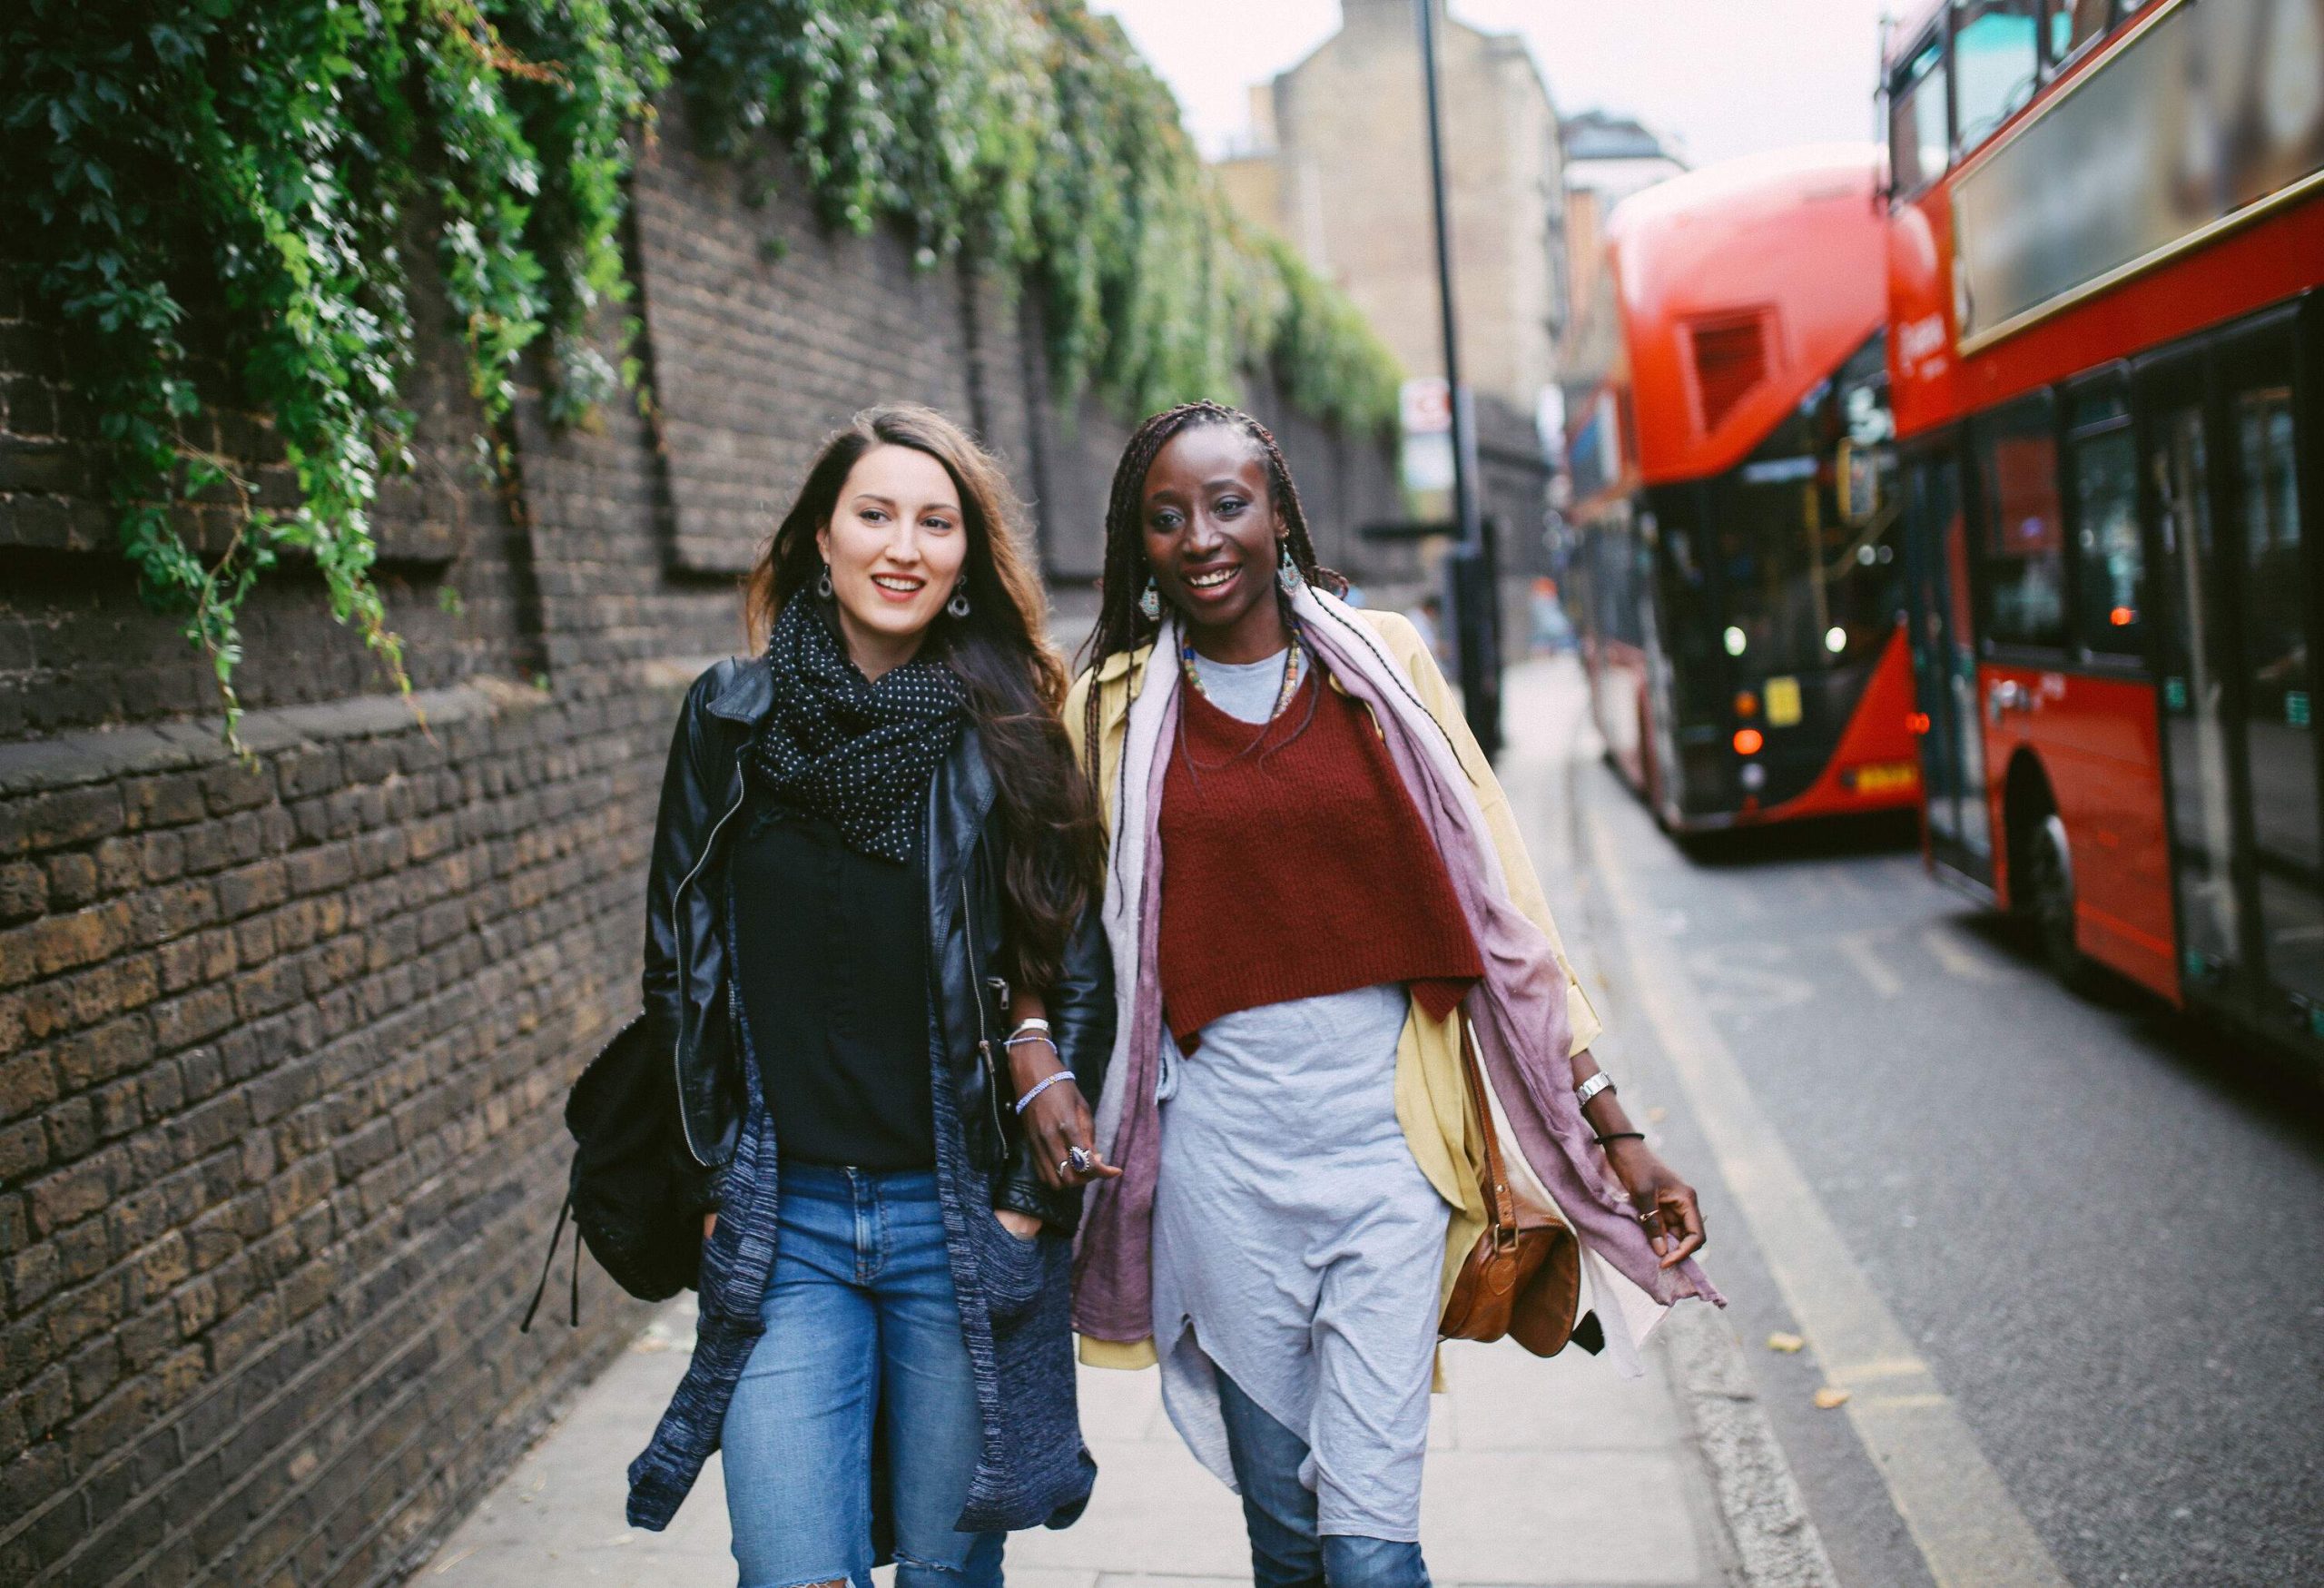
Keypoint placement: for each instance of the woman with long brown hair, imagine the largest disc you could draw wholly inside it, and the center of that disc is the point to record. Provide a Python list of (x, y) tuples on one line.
[(1317, 899), (872, 887)]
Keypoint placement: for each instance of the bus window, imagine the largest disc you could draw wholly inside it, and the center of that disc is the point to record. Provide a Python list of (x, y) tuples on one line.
[(1996, 61), (2109, 559), (2090, 20), (2056, 30), (2023, 548), (1919, 133)]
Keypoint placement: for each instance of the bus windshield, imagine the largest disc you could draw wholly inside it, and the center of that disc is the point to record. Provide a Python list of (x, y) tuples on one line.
[(1807, 574)]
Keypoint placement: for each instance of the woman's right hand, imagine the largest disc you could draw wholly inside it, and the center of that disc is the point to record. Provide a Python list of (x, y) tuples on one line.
[(1057, 1122)]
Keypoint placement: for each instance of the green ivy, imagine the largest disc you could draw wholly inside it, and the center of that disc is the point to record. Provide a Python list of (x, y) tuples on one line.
[(213, 196)]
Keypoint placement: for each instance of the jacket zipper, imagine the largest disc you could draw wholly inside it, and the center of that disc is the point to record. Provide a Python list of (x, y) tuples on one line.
[(677, 924), (984, 1034)]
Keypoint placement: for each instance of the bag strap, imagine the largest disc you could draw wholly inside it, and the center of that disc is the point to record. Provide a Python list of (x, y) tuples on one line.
[(1501, 1205), (541, 1290)]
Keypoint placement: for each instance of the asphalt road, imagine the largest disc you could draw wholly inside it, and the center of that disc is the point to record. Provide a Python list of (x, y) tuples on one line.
[(2095, 1222)]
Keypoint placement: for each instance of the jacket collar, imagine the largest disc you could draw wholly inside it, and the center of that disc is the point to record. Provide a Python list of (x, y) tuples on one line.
[(747, 695)]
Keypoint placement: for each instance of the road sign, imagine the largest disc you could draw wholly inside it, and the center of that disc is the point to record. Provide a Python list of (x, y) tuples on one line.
[(1425, 407)]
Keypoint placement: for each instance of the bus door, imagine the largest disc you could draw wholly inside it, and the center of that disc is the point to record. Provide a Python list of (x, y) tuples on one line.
[(1944, 663), (2223, 439)]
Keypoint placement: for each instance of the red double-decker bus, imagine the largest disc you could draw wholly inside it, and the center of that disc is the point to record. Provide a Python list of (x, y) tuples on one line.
[(2106, 236), (1736, 581)]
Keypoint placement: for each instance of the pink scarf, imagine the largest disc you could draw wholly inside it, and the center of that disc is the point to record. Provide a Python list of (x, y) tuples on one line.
[(1518, 1011)]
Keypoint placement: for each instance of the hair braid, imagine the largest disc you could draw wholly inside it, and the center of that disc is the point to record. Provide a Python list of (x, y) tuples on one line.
[(1121, 626)]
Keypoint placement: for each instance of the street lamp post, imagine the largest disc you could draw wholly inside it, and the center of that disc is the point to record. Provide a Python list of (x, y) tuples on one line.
[(1472, 587)]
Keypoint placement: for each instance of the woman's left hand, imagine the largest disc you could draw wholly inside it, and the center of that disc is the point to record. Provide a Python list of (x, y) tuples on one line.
[(1666, 1204)]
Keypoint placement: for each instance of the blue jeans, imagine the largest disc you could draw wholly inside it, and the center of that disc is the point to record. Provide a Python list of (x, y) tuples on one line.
[(861, 1323), (1279, 1510)]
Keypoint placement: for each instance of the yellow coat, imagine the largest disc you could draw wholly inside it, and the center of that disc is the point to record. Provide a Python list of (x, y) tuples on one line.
[(1431, 1101)]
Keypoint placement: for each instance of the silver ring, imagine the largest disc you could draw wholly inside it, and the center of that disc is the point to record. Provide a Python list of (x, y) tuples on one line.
[(1064, 1166)]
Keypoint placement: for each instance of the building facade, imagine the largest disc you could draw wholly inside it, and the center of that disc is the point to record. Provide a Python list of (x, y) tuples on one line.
[(1338, 164)]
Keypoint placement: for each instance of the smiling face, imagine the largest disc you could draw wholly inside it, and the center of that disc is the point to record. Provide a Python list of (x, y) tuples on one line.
[(896, 545), (1212, 541)]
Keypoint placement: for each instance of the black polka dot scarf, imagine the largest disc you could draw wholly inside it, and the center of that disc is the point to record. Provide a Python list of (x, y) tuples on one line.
[(857, 752)]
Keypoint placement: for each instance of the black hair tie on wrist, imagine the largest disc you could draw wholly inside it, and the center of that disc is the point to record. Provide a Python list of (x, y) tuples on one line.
[(1622, 1136)]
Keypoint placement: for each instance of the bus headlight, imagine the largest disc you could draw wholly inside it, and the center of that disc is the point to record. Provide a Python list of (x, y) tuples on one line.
[(1835, 639), (1734, 638)]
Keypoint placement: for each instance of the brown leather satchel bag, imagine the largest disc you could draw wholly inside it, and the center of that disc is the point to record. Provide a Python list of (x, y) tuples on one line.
[(1524, 1276)]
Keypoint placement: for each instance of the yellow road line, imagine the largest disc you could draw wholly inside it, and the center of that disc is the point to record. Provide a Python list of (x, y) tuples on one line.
[(1969, 1530)]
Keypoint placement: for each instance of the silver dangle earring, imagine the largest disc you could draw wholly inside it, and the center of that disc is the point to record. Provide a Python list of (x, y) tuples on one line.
[(823, 585), (1150, 604), (1288, 572), (959, 605)]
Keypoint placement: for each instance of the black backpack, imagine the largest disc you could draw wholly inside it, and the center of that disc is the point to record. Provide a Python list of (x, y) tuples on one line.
[(624, 1194)]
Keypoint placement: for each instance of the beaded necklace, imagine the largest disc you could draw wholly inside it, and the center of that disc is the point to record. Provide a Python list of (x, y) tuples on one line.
[(1293, 671)]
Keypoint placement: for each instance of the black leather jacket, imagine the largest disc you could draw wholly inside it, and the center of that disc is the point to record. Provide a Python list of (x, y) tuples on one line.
[(686, 1001)]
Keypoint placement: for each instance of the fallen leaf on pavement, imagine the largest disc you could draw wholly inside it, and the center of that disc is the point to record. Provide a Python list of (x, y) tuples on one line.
[(1787, 1344), (1831, 1395)]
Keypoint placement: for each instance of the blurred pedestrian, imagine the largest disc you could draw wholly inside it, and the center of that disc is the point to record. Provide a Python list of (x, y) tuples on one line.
[(868, 832), (1552, 632), (1316, 886)]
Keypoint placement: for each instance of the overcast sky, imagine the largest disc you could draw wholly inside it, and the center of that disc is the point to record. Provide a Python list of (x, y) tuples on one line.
[(1728, 76)]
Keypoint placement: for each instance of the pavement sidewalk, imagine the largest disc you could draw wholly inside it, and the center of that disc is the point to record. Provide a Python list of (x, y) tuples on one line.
[(1556, 1474), (1521, 1452)]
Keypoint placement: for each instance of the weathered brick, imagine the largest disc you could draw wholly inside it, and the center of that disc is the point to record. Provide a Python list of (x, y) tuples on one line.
[(70, 815), (24, 891), (166, 801), (236, 788), (86, 1059), (72, 880), (60, 942), (26, 1081)]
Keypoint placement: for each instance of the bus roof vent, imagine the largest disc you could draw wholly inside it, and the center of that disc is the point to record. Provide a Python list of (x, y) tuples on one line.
[(1730, 352)]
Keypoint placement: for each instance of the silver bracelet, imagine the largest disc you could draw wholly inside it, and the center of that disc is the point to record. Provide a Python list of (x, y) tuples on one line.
[(1601, 1081), (1030, 1037), (1040, 1086)]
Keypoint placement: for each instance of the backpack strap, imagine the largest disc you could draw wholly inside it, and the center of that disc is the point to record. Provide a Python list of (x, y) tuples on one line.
[(563, 1213)]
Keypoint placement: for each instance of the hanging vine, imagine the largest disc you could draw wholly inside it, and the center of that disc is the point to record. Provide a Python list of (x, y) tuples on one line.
[(213, 196)]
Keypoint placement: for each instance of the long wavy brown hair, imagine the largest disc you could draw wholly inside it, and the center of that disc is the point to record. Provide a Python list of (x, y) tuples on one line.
[(1014, 680)]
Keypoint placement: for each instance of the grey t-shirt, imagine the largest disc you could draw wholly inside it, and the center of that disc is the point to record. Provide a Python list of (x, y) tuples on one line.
[(1245, 691)]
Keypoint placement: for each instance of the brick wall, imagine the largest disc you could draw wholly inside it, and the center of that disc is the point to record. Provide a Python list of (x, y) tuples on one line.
[(282, 1045)]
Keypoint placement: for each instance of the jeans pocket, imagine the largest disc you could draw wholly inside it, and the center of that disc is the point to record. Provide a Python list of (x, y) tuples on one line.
[(1011, 1268)]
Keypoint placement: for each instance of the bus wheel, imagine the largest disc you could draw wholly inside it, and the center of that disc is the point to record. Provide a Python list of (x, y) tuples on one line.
[(2049, 896)]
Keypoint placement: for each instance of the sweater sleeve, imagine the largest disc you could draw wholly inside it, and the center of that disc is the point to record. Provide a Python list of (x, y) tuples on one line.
[(1405, 642)]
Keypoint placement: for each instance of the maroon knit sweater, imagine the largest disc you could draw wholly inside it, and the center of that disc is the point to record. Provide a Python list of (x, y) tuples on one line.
[(1298, 868)]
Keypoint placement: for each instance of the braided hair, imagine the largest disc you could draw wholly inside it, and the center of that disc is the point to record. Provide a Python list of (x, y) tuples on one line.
[(1121, 626)]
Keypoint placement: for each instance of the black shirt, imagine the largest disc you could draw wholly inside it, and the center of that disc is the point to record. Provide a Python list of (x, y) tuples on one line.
[(832, 961)]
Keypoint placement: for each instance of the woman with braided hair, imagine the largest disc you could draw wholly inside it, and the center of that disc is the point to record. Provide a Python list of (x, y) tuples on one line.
[(1316, 891)]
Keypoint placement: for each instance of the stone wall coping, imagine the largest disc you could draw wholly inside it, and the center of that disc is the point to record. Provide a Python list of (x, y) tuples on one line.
[(100, 754)]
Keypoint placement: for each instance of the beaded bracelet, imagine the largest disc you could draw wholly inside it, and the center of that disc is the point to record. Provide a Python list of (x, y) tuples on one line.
[(1040, 1086)]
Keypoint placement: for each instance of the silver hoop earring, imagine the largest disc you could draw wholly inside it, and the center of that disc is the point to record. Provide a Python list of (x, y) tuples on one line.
[(959, 605), (823, 585), (1288, 572), (1150, 604)]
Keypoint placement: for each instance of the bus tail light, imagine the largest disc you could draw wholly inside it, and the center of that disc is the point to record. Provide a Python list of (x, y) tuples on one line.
[(1749, 741)]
